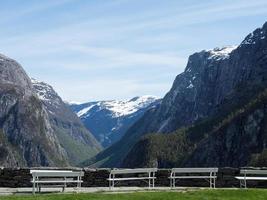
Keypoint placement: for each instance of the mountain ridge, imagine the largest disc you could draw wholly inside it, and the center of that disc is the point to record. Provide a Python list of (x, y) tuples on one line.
[(78, 142), (27, 138), (108, 120), (211, 81)]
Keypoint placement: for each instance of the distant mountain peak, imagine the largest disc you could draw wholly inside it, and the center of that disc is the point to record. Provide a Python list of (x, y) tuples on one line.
[(120, 108), (45, 92), (108, 120), (257, 35)]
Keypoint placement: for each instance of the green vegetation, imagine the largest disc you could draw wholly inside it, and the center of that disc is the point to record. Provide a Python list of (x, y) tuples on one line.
[(76, 150), (259, 160), (174, 149), (166, 149), (192, 195)]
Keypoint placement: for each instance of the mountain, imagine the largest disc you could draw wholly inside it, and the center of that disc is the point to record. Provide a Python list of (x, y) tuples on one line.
[(214, 114), (109, 120), (26, 135), (77, 141)]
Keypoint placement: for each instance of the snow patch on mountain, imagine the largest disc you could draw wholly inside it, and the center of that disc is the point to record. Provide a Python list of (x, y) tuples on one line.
[(43, 89), (221, 53), (84, 111), (120, 108), (45, 92), (123, 108), (258, 34)]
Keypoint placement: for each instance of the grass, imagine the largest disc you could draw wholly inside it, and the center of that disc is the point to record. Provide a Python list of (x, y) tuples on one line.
[(251, 194)]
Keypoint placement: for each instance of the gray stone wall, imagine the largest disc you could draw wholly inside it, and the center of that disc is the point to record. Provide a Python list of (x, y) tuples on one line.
[(20, 177)]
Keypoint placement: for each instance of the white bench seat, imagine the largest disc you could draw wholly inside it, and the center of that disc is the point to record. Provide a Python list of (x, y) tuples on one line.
[(43, 178), (251, 178), (147, 174), (192, 177), (209, 174), (251, 175), (130, 178), (58, 181)]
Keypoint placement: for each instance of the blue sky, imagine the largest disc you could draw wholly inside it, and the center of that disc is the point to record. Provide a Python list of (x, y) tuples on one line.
[(117, 49)]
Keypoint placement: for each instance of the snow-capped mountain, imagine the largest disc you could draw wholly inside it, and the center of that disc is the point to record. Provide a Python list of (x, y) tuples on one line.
[(214, 107), (108, 120), (77, 141), (46, 93)]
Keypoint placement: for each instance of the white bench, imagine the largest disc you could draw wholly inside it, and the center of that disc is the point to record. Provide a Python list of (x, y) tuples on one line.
[(55, 178), (141, 174), (251, 175), (209, 174)]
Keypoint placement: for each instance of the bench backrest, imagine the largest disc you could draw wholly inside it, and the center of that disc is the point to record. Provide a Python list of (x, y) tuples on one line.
[(56, 173), (253, 171), (194, 170), (133, 171), (43, 170)]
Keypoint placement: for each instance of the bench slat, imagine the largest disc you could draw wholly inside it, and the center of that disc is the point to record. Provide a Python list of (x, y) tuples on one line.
[(251, 171), (191, 177), (58, 181), (194, 170), (250, 178), (53, 171), (57, 174), (132, 178), (133, 171)]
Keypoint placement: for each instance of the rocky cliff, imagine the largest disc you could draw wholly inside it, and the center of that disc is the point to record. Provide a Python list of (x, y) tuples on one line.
[(77, 141), (214, 87), (26, 135)]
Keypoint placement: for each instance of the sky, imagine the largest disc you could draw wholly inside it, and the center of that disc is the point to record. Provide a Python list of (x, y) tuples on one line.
[(118, 49)]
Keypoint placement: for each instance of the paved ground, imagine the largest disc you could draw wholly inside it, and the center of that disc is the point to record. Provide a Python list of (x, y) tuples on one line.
[(9, 191)]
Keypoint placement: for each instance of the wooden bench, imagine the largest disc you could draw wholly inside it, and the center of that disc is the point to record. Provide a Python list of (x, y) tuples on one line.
[(146, 174), (209, 174), (55, 178), (251, 175)]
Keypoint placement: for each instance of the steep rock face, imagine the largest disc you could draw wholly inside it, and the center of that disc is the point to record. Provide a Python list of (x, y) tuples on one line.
[(213, 83), (109, 120), (236, 139), (26, 136), (77, 141), (238, 142)]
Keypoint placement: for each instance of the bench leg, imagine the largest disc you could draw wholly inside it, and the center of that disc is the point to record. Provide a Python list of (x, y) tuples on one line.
[(211, 183), (172, 182), (33, 188), (243, 184), (111, 184)]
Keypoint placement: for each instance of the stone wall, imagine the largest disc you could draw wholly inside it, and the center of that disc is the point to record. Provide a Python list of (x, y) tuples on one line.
[(20, 177)]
